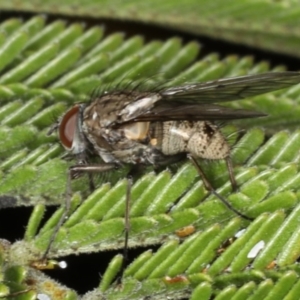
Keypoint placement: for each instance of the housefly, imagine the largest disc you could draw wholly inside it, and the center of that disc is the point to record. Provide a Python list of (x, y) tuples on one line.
[(159, 127)]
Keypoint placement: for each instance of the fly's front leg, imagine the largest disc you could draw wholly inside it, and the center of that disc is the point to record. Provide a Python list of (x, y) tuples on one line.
[(15, 294), (126, 229), (136, 169), (91, 183), (73, 172), (127, 223)]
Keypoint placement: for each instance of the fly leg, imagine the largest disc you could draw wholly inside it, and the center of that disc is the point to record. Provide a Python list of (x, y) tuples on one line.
[(136, 170), (91, 182), (230, 172), (212, 190), (126, 230), (73, 172), (15, 294)]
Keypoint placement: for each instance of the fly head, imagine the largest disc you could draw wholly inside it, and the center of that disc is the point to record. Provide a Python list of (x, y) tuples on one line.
[(70, 131)]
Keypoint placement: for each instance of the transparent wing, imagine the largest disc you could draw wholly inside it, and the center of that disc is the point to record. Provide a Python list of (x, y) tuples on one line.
[(191, 112), (228, 89)]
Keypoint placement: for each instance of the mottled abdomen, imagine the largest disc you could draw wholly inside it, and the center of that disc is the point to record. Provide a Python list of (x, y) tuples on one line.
[(201, 138)]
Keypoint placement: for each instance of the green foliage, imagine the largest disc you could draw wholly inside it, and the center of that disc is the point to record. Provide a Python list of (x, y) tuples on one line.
[(45, 67), (270, 25)]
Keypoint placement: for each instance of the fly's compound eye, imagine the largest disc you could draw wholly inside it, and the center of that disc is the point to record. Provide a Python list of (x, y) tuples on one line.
[(67, 127)]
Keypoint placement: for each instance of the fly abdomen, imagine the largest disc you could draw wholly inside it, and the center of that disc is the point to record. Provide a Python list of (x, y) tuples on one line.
[(201, 138)]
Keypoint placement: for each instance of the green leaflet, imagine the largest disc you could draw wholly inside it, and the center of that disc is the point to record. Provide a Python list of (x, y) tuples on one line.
[(48, 66), (265, 24)]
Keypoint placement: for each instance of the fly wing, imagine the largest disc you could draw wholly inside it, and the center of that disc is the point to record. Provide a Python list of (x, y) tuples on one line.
[(204, 112), (229, 89)]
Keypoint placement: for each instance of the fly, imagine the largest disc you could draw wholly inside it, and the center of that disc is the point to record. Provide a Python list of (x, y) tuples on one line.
[(159, 128)]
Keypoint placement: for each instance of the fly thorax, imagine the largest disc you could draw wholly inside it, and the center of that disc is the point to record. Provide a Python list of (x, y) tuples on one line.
[(140, 106), (201, 138)]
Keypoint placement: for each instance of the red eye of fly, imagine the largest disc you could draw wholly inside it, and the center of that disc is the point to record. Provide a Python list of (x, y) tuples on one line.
[(67, 127)]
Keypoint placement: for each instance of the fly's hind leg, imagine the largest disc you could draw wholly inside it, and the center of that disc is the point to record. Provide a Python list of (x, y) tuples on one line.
[(231, 174), (209, 187), (15, 294)]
